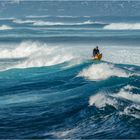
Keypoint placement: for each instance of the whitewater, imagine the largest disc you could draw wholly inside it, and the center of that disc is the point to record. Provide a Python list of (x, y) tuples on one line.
[(51, 88)]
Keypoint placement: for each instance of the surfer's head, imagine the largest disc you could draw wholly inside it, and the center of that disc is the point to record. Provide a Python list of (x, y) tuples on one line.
[(96, 47)]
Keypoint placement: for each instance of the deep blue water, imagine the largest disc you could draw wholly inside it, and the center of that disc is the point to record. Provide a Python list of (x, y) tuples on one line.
[(50, 87)]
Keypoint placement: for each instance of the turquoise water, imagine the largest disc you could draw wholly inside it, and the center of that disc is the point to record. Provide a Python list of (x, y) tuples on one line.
[(50, 87)]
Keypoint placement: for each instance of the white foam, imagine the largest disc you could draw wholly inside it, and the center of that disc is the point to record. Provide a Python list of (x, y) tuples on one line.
[(5, 27), (19, 21), (132, 110), (48, 23), (129, 87), (112, 54), (102, 71), (25, 49), (36, 22), (123, 26), (100, 100), (43, 23), (126, 93)]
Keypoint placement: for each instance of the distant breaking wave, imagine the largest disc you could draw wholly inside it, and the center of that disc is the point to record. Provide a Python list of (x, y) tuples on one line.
[(10, 18), (43, 23), (43, 16), (123, 26), (19, 21), (49, 23), (111, 26), (5, 27)]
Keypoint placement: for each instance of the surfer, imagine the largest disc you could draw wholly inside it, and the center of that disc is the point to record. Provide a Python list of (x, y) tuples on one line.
[(96, 54), (96, 51)]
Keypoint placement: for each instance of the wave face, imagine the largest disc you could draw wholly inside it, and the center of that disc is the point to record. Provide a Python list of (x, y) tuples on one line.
[(51, 89)]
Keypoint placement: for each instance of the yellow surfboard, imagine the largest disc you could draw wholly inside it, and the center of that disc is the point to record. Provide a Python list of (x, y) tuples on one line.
[(97, 57)]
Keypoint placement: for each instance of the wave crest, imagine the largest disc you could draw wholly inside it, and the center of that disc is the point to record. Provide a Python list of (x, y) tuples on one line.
[(102, 71), (19, 21), (5, 27), (50, 23), (101, 100), (125, 93), (36, 54)]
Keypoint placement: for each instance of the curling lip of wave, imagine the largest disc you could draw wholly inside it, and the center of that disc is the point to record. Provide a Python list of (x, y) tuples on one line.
[(5, 27), (123, 26), (101, 72), (100, 100), (125, 93)]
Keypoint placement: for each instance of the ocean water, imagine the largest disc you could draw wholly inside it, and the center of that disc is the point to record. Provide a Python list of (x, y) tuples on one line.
[(50, 87)]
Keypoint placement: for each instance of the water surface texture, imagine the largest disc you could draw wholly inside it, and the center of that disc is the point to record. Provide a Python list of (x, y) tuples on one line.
[(50, 87)]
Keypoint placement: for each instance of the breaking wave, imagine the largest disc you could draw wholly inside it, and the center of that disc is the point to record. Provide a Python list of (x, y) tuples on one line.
[(126, 93), (37, 16), (19, 21), (117, 100), (100, 100), (5, 27), (42, 23), (43, 16), (123, 26), (49, 23), (36, 54), (102, 71)]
